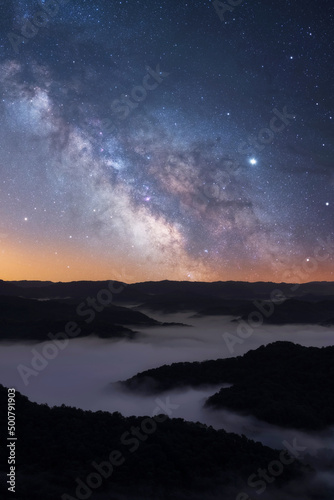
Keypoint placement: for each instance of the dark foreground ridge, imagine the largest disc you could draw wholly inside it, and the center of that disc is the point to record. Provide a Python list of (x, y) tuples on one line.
[(281, 383), (58, 447)]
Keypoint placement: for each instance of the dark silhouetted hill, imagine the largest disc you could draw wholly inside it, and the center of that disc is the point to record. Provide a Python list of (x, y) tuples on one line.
[(28, 319), (55, 446), (281, 383)]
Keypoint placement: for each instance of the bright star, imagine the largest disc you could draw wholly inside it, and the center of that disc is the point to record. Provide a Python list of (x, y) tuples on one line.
[(253, 161)]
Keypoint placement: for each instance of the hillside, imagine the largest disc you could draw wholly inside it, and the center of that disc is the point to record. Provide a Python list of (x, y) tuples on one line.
[(281, 383)]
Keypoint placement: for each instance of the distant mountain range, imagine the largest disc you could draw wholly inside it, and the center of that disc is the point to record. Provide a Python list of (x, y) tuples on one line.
[(188, 291), (276, 303)]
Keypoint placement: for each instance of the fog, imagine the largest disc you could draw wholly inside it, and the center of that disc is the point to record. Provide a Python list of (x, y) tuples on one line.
[(85, 372)]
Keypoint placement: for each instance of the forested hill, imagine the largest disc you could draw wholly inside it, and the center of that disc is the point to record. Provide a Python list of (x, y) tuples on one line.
[(172, 458), (281, 383), (29, 319)]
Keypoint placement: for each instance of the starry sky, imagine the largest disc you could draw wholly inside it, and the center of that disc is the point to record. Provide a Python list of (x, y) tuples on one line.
[(148, 140)]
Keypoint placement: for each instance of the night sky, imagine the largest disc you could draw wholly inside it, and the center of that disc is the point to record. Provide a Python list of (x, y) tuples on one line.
[(147, 140)]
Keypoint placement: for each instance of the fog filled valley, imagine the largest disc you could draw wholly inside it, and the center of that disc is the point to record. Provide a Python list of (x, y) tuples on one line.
[(183, 451), (85, 373)]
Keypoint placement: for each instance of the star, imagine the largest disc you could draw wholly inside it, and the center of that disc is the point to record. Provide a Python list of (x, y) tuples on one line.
[(253, 161)]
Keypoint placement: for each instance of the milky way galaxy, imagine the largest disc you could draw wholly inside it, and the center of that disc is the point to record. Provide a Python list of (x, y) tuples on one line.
[(152, 140)]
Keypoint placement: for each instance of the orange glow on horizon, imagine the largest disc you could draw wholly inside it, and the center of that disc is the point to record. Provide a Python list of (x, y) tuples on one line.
[(26, 262)]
